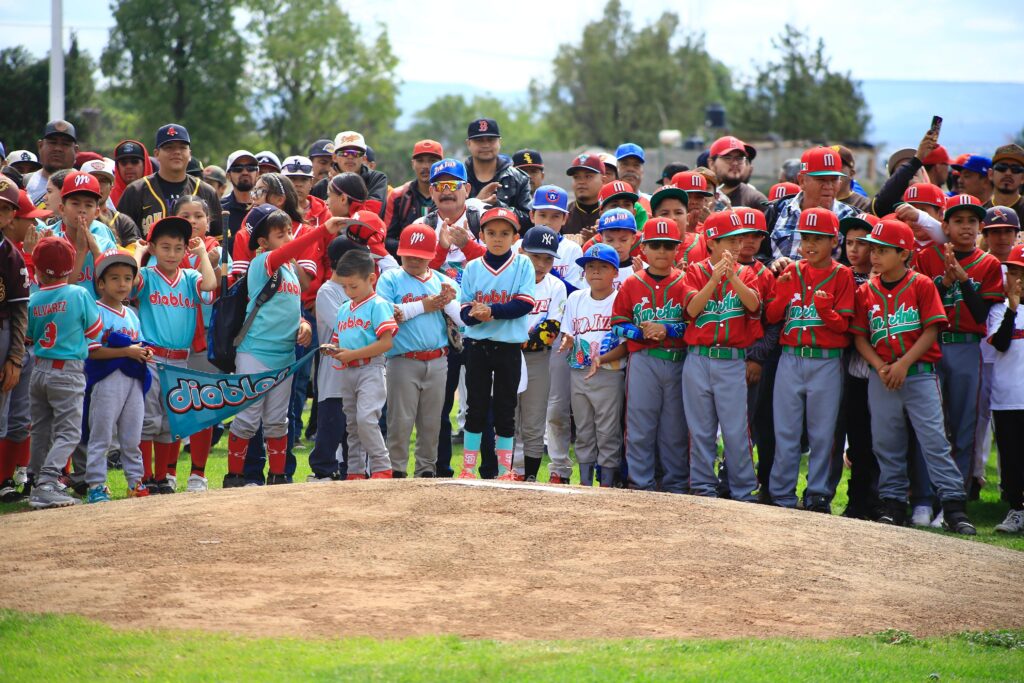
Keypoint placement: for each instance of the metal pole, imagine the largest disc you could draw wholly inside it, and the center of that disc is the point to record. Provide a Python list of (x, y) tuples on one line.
[(56, 60)]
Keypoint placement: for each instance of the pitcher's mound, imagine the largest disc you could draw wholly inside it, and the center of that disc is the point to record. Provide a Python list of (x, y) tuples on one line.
[(401, 558)]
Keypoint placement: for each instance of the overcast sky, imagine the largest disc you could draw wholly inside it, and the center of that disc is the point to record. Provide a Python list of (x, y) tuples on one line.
[(938, 40)]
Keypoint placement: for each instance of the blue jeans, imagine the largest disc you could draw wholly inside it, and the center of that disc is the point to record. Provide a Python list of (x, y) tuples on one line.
[(330, 434)]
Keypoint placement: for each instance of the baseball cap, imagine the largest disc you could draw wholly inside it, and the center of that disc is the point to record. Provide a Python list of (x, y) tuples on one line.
[(963, 201), (541, 239), (26, 209), (939, 155), (668, 192), (483, 128), (114, 258), (889, 232), (417, 241), (12, 173), (23, 156), (1010, 152), (630, 149), (818, 221), (898, 157), (176, 226), (725, 224), (586, 162), (268, 158), (616, 188), (821, 161), (925, 193), (341, 245), (60, 127), (240, 154), (78, 182), (9, 191), (752, 218), (976, 163), (194, 168), (321, 148), (609, 161), (599, 252), (128, 149), (172, 132), (728, 143), (661, 230), (670, 170), (297, 166), (617, 219), (1000, 217), (432, 147), (692, 181), (783, 190), (371, 156), (860, 221), (450, 167), (528, 158), (367, 228), (1016, 257), (349, 139), (83, 157), (253, 222), (215, 174), (99, 167), (499, 213), (55, 256), (551, 197)]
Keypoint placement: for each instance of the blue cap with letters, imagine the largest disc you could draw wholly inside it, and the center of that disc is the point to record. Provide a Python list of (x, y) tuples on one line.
[(450, 167), (617, 219)]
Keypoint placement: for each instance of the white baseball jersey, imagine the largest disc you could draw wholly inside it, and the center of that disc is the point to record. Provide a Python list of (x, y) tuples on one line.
[(549, 296)]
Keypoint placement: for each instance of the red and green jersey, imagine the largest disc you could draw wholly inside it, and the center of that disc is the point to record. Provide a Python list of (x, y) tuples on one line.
[(724, 320), (802, 325), (692, 249), (644, 299), (983, 271), (893, 320)]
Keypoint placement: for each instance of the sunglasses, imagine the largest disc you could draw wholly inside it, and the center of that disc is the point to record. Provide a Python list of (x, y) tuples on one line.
[(299, 168), (659, 245), (350, 153), (1012, 168), (252, 168), (447, 185)]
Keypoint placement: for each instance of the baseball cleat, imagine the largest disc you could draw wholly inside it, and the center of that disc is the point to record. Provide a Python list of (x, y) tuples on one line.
[(197, 484)]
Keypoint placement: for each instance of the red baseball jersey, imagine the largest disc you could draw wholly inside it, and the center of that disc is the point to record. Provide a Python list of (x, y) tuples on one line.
[(724, 320), (693, 249), (794, 304), (983, 271), (765, 288), (893, 320), (642, 299)]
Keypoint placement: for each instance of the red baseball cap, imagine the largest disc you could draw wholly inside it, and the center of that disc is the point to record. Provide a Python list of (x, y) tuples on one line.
[(418, 241), (818, 221), (76, 182), (1016, 257), (54, 256), (964, 201), (661, 230), (861, 221), (783, 190), (587, 162), (616, 188), (499, 213), (891, 233), (752, 218), (26, 209), (368, 228), (939, 155), (925, 193), (821, 161), (691, 181), (728, 143), (725, 224), (432, 147)]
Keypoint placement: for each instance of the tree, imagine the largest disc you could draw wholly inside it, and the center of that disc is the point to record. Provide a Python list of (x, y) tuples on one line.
[(317, 76), (798, 96), (181, 61)]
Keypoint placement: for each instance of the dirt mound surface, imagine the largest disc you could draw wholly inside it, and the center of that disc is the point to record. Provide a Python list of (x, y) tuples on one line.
[(402, 558)]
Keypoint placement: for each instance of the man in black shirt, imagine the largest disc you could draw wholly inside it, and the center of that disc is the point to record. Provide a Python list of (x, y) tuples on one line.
[(492, 178), (243, 170)]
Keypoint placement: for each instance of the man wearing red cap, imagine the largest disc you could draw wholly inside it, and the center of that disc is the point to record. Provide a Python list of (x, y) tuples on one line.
[(731, 159), (586, 172), (936, 165), (411, 201)]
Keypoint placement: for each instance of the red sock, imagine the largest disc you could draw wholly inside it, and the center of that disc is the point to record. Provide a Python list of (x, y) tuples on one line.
[(67, 467), (147, 459), (277, 450), (173, 451), (237, 446), (160, 455), (7, 464), (200, 447), (22, 452)]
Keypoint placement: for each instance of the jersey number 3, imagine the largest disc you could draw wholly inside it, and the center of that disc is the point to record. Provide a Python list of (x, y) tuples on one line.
[(49, 339)]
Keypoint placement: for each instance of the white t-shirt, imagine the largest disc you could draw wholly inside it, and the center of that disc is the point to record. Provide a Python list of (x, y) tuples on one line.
[(549, 295), (1008, 367), (988, 352), (36, 188), (588, 321), (329, 299)]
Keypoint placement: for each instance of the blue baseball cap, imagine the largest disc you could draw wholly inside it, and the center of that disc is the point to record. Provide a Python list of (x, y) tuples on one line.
[(976, 163), (540, 239), (617, 219), (172, 132), (630, 149), (452, 167), (599, 252), (551, 197)]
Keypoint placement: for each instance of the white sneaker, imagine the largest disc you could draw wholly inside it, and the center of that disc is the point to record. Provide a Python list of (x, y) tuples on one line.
[(21, 476), (197, 484), (922, 515), (1013, 524), (172, 480), (937, 522)]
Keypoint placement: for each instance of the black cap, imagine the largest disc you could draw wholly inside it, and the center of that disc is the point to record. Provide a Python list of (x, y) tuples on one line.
[(670, 170), (321, 148), (370, 154), (256, 223), (483, 128), (194, 168), (60, 127), (172, 132), (14, 175), (129, 149), (171, 225), (527, 157), (702, 158), (341, 245)]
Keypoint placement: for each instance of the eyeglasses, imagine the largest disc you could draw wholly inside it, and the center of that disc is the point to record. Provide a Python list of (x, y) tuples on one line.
[(447, 185), (258, 193), (350, 153), (1012, 168), (252, 168), (735, 159), (299, 168)]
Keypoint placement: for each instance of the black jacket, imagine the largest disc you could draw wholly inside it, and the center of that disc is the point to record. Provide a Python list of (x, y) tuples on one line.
[(144, 203), (376, 184), (892, 190), (514, 192), (404, 206), (234, 213)]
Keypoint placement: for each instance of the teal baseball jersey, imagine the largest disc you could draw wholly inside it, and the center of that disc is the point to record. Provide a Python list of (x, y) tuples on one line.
[(61, 321), (361, 323), (425, 332), (167, 306), (515, 279), (271, 339), (104, 240), (124, 321)]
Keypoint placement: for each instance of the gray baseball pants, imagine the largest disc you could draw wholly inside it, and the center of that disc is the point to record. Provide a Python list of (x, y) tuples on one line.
[(155, 425), (597, 407), (56, 396), (415, 389), (960, 373), (656, 423), (559, 425), (19, 409), (115, 404), (531, 416), (363, 395), (272, 411)]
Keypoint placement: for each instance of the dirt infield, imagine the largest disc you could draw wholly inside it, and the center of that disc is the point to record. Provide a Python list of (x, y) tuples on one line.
[(401, 558)]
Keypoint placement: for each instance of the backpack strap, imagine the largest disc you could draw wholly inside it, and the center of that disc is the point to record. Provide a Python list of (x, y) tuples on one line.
[(268, 291)]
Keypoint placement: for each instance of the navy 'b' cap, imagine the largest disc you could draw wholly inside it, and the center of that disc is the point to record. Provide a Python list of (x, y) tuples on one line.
[(483, 128), (172, 132)]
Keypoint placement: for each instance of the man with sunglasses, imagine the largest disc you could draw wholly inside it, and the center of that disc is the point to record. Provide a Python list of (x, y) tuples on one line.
[(1007, 176), (243, 170), (350, 157), (411, 201), (299, 170), (731, 159), (492, 178)]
